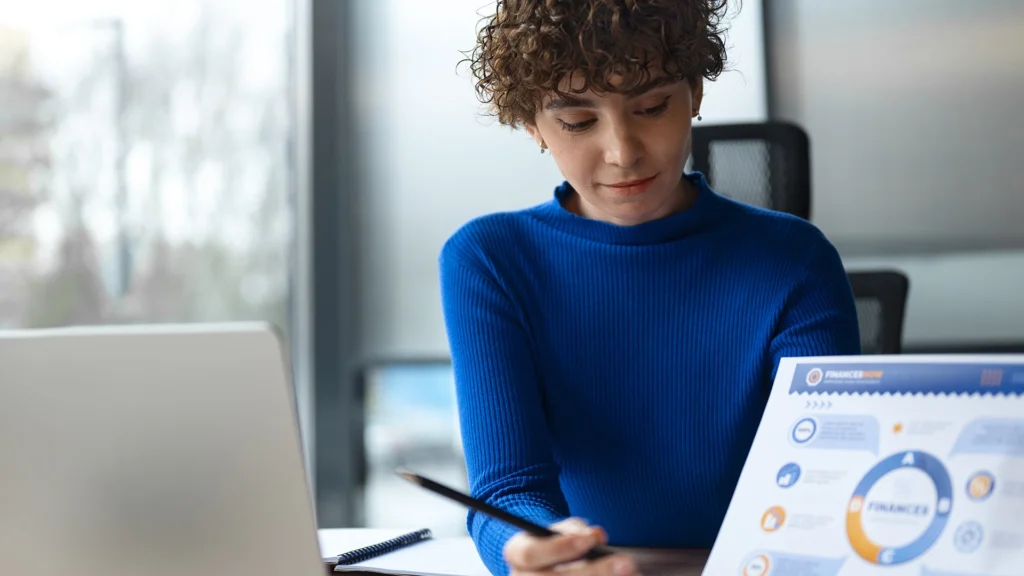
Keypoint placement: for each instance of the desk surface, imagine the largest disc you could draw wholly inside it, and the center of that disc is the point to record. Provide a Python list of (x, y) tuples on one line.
[(652, 562)]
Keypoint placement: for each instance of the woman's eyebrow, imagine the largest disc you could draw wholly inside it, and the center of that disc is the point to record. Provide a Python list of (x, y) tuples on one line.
[(564, 102)]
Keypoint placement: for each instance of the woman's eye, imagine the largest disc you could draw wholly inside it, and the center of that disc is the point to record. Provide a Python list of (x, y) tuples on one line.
[(654, 110), (575, 126), (580, 126)]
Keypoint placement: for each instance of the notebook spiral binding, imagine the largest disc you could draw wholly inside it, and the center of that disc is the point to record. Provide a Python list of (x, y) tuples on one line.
[(363, 554)]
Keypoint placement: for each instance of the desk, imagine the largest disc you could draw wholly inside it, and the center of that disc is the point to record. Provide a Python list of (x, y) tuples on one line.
[(652, 562), (655, 562)]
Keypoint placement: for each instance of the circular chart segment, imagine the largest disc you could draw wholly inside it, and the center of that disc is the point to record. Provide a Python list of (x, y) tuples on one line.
[(899, 508)]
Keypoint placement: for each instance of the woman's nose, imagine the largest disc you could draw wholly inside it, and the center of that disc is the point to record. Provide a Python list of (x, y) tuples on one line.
[(622, 147)]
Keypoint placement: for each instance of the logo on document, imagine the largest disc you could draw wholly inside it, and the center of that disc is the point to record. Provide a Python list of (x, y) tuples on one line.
[(814, 377)]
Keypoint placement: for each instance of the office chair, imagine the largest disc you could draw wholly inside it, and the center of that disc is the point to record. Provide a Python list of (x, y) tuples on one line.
[(765, 164), (881, 300)]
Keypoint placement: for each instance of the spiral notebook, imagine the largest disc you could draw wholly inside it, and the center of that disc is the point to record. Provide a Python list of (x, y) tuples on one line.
[(378, 549), (412, 554)]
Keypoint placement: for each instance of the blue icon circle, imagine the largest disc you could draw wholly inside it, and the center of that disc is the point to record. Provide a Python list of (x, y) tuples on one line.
[(788, 475), (968, 537), (871, 551), (804, 430)]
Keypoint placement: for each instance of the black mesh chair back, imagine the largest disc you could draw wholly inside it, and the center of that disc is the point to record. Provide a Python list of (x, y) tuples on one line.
[(881, 301), (765, 164)]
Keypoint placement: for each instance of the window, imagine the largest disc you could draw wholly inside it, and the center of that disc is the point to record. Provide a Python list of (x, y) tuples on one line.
[(146, 170), (411, 422)]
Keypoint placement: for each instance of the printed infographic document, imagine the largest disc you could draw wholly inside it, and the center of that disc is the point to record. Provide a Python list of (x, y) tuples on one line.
[(897, 465)]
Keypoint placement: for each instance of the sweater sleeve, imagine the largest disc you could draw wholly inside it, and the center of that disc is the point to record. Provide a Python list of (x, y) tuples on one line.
[(504, 430), (820, 317)]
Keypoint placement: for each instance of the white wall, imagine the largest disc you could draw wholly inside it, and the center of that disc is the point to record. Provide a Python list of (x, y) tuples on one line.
[(917, 136), (432, 162), (914, 113)]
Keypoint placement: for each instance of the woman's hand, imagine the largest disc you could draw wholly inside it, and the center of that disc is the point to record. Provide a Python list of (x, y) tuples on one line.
[(529, 555)]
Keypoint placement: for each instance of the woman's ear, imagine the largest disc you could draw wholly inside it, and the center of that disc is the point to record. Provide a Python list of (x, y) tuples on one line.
[(696, 95), (534, 133), (531, 129)]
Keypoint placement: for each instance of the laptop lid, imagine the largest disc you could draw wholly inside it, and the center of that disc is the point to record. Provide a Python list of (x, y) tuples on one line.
[(151, 450)]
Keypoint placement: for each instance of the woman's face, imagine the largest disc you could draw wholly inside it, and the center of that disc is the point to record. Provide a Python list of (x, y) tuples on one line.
[(623, 153)]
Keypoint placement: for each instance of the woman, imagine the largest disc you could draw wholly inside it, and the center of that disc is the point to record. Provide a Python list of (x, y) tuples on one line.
[(614, 347)]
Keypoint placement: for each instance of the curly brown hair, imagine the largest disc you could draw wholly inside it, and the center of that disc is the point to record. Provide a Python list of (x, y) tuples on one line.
[(527, 47)]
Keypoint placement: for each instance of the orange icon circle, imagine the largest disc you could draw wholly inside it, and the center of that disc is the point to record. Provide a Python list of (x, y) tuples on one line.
[(773, 519), (980, 486)]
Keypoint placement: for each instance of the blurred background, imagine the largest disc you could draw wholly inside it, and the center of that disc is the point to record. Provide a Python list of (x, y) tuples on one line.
[(302, 162)]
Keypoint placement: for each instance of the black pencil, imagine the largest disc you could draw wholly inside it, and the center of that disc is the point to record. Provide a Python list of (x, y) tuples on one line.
[(493, 512)]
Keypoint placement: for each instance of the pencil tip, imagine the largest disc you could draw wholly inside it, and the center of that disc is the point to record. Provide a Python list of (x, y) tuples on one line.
[(407, 475)]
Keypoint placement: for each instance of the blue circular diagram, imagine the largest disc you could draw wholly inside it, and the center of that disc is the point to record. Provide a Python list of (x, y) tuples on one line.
[(876, 553), (804, 430), (968, 537), (788, 475)]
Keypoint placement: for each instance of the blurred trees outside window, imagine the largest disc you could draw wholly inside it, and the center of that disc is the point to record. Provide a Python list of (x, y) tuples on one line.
[(146, 162)]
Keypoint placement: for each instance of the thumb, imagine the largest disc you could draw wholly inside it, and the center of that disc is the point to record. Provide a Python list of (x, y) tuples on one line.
[(580, 526), (571, 526)]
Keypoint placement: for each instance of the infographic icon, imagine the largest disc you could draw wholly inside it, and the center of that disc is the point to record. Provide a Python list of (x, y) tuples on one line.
[(980, 486), (773, 519), (788, 475)]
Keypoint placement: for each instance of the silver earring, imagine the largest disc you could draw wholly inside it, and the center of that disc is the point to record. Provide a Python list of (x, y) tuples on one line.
[(698, 116)]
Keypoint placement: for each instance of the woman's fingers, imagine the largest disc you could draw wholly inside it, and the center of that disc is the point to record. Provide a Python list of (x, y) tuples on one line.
[(526, 553), (560, 555)]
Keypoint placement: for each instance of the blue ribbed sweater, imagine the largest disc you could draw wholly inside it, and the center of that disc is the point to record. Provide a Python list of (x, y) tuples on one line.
[(619, 373)]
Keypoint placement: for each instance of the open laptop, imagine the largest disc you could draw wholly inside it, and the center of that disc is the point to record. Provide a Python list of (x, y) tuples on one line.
[(151, 451)]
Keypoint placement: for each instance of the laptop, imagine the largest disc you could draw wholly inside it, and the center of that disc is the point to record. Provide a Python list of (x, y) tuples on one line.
[(152, 451)]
